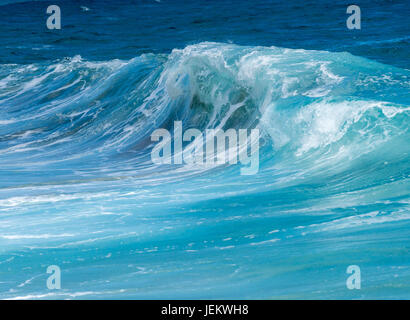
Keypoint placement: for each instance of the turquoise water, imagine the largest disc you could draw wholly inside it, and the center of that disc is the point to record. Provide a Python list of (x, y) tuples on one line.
[(78, 188)]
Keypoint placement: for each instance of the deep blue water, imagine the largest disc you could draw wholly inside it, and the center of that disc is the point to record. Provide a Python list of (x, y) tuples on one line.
[(78, 189)]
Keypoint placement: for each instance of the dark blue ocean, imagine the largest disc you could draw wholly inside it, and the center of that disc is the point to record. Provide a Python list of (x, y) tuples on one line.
[(78, 189)]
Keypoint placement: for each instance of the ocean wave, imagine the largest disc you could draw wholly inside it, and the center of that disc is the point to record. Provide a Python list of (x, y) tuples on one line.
[(304, 102), (323, 116)]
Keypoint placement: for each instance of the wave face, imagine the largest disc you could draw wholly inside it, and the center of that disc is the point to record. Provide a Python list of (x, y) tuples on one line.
[(78, 188)]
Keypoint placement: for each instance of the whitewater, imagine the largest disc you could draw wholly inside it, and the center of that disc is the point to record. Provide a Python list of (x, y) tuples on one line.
[(78, 188)]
